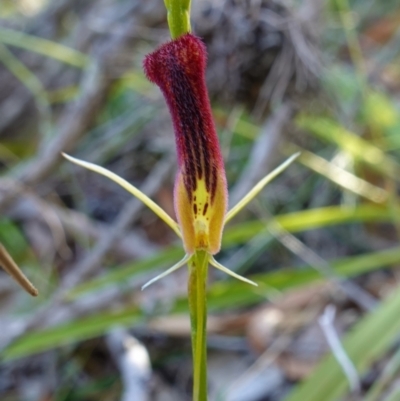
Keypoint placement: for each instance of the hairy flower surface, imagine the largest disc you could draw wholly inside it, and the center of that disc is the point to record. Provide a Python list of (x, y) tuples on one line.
[(178, 68)]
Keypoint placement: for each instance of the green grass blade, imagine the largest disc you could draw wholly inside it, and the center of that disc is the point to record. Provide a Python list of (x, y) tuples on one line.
[(358, 147), (241, 233), (32, 83), (45, 47), (308, 220), (227, 294), (124, 272), (366, 342), (76, 330), (222, 295)]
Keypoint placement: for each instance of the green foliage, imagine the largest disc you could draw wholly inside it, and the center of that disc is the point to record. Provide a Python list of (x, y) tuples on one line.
[(77, 330), (359, 148), (12, 238), (45, 47), (367, 341), (222, 296)]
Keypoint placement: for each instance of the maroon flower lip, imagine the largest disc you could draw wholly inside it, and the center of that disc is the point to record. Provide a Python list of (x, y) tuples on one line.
[(178, 68)]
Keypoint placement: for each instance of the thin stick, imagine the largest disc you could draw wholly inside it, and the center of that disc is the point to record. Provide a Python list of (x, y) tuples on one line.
[(8, 264), (326, 323)]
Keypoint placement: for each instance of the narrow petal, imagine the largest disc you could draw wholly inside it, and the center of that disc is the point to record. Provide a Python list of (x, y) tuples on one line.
[(230, 272), (259, 187), (130, 188), (169, 271)]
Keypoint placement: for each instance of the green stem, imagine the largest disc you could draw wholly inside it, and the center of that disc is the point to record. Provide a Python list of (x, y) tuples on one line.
[(178, 17), (198, 267)]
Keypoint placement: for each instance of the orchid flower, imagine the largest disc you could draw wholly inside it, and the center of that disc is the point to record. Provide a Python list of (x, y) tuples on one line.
[(200, 193)]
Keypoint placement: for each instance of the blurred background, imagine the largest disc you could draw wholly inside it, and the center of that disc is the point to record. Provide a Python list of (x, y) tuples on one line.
[(320, 77)]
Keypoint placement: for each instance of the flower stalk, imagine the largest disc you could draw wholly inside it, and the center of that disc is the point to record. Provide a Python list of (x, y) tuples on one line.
[(198, 272), (178, 17)]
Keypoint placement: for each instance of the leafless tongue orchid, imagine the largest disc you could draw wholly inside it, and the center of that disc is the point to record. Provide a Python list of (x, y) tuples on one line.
[(200, 194)]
